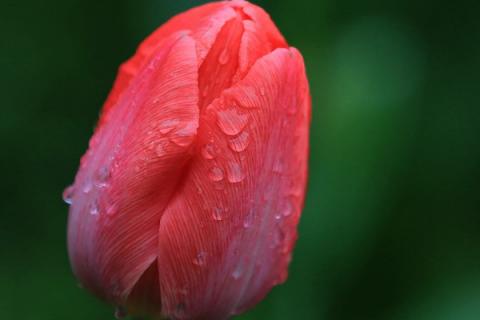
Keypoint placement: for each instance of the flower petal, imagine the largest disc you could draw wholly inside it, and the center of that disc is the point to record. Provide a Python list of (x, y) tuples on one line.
[(131, 170), (225, 238)]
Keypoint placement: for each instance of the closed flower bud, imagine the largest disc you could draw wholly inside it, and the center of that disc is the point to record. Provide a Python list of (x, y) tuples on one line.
[(186, 203)]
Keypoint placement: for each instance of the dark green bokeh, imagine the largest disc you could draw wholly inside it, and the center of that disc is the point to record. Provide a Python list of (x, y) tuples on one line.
[(391, 228)]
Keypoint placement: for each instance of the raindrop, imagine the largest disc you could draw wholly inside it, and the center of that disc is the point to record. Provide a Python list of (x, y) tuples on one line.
[(216, 174), (120, 313), (235, 173), (237, 273), (87, 187), (103, 174), (200, 259), (278, 238), (224, 57), (278, 166), (183, 137), (167, 126), (208, 151), (231, 122), (93, 208), (247, 223), (278, 216), (240, 143), (287, 208), (217, 214), (111, 209), (67, 194)]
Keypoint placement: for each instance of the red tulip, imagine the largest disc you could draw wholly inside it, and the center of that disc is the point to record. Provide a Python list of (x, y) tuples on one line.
[(187, 201)]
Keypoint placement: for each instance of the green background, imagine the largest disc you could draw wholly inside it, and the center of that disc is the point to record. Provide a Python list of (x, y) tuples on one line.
[(391, 228)]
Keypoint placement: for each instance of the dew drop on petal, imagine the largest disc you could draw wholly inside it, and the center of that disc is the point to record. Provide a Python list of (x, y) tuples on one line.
[(183, 136), (231, 122), (240, 143), (67, 194), (237, 273), (87, 187), (167, 126), (93, 208), (111, 209), (208, 151), (103, 175), (278, 166), (287, 209), (248, 221), (235, 173), (200, 259), (217, 214), (216, 174)]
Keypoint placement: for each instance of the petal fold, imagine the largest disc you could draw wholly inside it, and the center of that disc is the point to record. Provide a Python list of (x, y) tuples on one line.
[(131, 171), (225, 238)]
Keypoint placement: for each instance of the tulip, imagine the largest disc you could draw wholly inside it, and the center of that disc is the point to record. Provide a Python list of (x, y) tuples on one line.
[(186, 204)]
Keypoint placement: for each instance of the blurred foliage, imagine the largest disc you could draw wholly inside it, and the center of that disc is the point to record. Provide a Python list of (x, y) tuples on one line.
[(391, 228)]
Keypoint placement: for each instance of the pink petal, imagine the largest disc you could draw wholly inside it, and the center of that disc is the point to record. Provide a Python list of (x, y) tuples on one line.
[(226, 236), (131, 171)]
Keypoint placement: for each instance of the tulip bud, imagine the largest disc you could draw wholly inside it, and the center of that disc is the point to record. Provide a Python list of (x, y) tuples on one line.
[(187, 201)]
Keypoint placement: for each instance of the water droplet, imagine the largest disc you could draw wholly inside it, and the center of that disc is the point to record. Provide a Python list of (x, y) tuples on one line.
[(235, 173), (224, 57), (237, 273), (287, 209), (167, 126), (231, 122), (217, 214), (240, 143), (67, 194), (200, 259), (216, 174), (278, 166), (111, 209), (278, 238), (278, 216), (183, 136), (208, 151), (87, 187), (93, 208), (103, 175), (248, 221), (120, 313)]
